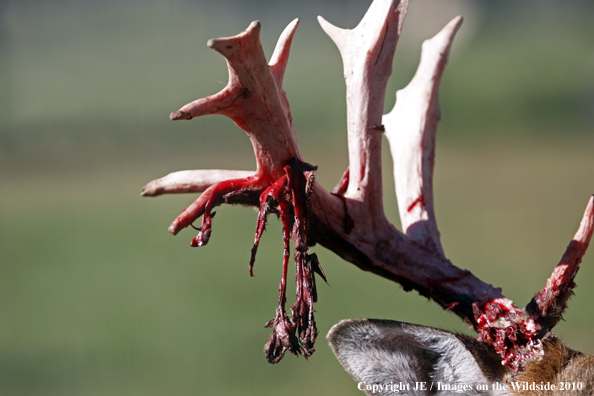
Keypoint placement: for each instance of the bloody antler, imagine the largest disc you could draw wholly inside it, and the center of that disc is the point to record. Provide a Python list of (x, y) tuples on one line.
[(351, 221), (255, 101)]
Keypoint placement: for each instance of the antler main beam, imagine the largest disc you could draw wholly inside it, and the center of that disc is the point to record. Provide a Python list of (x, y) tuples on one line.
[(351, 220)]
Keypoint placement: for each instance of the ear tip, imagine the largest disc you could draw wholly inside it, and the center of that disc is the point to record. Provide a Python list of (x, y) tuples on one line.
[(363, 322), (340, 329), (352, 329)]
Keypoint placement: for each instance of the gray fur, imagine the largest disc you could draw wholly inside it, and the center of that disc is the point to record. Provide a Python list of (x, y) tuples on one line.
[(393, 354)]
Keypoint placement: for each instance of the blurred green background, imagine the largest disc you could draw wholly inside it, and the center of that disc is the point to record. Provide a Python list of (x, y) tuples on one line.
[(96, 298)]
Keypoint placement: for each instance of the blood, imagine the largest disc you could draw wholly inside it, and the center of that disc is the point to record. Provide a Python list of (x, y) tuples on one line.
[(290, 197), (272, 193), (287, 196), (420, 200), (512, 336), (341, 188)]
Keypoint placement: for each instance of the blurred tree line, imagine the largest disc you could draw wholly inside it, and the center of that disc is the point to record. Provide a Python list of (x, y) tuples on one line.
[(80, 71)]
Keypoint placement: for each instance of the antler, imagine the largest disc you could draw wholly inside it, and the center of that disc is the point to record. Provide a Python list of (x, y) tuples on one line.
[(350, 221)]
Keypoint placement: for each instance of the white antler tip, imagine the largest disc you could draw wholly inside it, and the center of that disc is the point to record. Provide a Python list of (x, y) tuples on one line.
[(453, 26), (334, 32)]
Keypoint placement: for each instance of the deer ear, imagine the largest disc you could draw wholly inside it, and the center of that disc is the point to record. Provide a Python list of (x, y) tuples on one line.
[(382, 354)]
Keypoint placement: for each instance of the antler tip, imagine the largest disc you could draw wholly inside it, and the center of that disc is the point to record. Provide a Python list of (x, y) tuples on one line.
[(223, 45), (294, 22), (254, 25), (173, 229), (180, 115), (148, 190), (334, 32), (586, 228), (455, 24)]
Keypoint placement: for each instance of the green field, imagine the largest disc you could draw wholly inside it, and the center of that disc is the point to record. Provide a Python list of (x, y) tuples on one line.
[(97, 298)]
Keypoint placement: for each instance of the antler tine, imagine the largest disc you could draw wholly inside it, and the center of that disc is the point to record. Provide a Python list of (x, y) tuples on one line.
[(411, 130), (547, 306), (250, 76), (280, 56), (367, 53), (191, 181)]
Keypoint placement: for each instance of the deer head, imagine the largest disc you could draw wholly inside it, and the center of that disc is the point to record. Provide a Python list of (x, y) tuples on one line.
[(350, 220)]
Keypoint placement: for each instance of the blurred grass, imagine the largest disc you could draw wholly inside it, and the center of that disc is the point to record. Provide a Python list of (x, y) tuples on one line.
[(97, 298)]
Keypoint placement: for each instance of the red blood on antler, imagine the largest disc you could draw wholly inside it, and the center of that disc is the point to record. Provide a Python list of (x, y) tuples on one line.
[(294, 187), (351, 220), (255, 101)]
